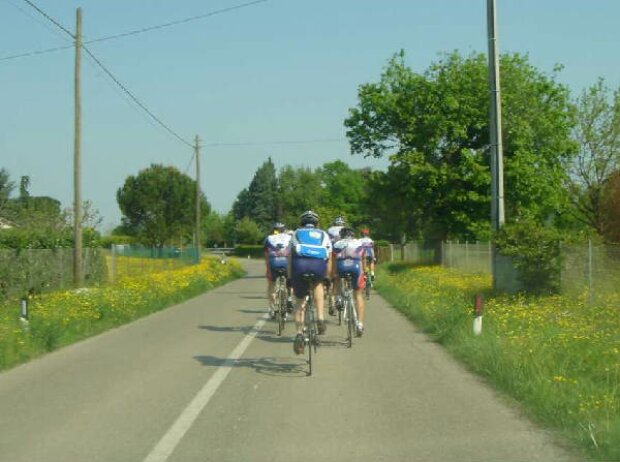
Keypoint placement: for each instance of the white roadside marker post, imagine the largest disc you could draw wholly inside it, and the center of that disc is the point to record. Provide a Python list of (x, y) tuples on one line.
[(478, 315)]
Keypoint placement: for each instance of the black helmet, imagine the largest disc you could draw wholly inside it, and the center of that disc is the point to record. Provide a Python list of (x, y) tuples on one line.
[(339, 221), (347, 232), (279, 226), (309, 218)]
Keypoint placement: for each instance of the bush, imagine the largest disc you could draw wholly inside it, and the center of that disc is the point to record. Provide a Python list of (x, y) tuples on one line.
[(535, 253), (254, 251)]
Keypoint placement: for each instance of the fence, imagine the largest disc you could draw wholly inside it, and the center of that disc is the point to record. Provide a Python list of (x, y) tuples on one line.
[(594, 269), (590, 268), (415, 251), (39, 270), (126, 260)]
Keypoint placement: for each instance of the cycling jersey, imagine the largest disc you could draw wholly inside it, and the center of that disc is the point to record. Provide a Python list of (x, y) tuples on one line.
[(277, 245), (369, 246), (277, 248), (349, 253), (310, 252)]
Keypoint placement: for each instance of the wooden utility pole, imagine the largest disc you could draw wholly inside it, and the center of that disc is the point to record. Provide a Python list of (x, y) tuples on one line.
[(78, 273), (495, 128), (197, 156)]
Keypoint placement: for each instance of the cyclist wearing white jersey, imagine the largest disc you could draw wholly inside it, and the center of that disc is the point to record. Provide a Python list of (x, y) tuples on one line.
[(334, 234), (350, 257), (277, 249), (369, 247)]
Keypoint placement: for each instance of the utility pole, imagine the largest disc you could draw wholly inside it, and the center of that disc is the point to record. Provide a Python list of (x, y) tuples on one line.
[(197, 156), (495, 125), (78, 273)]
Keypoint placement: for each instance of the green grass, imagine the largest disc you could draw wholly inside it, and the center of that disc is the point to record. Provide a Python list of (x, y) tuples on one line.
[(61, 318), (558, 357)]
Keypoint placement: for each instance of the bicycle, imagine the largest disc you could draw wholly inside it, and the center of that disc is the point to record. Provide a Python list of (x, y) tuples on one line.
[(280, 306), (310, 330), (349, 311)]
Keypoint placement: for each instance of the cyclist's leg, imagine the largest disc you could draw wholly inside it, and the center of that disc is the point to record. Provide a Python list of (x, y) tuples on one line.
[(359, 284)]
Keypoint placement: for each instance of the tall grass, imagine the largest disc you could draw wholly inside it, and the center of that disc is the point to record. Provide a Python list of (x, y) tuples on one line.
[(64, 317), (558, 356)]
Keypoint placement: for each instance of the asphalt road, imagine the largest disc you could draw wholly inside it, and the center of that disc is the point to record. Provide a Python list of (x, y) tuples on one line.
[(208, 380)]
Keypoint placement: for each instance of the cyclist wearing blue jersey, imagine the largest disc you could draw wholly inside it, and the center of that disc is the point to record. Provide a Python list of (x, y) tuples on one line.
[(311, 253)]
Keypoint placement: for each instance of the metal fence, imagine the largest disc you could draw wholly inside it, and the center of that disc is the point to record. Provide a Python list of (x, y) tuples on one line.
[(590, 268), (415, 251), (126, 260), (27, 271), (585, 268)]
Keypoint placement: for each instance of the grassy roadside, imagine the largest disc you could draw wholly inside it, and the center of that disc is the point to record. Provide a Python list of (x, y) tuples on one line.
[(558, 356), (61, 318)]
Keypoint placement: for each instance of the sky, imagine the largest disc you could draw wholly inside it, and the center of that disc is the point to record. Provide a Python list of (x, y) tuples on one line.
[(274, 79)]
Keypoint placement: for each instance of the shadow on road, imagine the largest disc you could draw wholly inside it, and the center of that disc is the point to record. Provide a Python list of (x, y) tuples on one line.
[(244, 329), (253, 311), (283, 367)]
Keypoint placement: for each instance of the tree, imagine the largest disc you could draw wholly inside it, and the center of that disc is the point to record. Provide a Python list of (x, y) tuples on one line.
[(6, 188), (247, 231), (610, 209), (598, 134), (343, 190), (299, 190), (434, 127), (259, 200), (158, 205)]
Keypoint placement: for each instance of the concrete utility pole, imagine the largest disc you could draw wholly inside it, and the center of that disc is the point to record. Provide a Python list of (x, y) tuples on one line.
[(495, 125), (78, 273), (197, 156)]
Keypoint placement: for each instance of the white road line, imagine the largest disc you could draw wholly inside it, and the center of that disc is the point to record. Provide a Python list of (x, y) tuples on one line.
[(171, 439)]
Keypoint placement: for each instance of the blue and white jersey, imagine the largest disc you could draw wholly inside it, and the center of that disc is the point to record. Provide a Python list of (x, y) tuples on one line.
[(278, 245), (349, 248), (369, 246), (310, 242)]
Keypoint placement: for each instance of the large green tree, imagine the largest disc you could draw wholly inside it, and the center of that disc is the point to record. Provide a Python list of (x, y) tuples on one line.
[(598, 134), (158, 205), (260, 200), (299, 190), (434, 127), (344, 190)]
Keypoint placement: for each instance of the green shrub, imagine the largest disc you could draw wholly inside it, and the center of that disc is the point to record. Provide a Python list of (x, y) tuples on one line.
[(535, 253)]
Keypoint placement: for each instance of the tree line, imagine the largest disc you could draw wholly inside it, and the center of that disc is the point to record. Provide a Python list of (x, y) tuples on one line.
[(561, 159)]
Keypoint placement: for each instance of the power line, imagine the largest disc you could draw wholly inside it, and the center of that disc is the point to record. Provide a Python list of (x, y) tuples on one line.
[(135, 99), (272, 143), (133, 32), (114, 79), (49, 18)]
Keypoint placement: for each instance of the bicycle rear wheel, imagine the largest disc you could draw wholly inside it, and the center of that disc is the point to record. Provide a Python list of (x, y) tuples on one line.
[(350, 320)]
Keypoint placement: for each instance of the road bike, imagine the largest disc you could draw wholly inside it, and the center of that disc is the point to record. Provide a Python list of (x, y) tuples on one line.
[(349, 311), (281, 301), (310, 330)]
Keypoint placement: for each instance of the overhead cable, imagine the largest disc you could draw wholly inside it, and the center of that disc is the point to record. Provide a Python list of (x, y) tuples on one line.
[(129, 33)]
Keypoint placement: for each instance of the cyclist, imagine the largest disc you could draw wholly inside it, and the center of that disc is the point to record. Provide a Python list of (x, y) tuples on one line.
[(369, 246), (334, 230), (310, 252), (350, 258), (334, 234), (277, 249)]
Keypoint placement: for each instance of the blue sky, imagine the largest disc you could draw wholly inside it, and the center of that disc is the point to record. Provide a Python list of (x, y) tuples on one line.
[(282, 70)]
